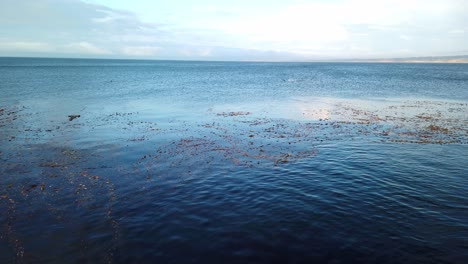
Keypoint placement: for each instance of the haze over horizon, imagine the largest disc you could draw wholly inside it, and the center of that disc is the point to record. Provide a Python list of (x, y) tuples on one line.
[(270, 30)]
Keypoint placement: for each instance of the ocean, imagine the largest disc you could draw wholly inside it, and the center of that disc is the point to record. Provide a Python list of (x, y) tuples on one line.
[(232, 162)]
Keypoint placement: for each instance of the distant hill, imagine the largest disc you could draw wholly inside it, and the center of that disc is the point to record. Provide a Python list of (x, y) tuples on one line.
[(435, 59)]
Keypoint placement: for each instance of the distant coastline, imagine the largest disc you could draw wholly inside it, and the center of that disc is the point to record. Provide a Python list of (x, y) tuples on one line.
[(428, 59)]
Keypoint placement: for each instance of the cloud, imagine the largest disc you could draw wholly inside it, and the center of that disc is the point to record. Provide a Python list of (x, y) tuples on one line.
[(298, 30), (86, 48), (383, 27), (303, 25), (145, 51), (198, 52), (25, 46), (456, 31), (405, 37), (72, 27)]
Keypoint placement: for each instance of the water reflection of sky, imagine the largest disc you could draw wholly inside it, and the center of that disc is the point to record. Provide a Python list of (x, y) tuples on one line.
[(338, 109)]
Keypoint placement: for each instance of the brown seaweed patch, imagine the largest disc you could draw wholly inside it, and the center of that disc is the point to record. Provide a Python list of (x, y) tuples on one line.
[(9, 114), (239, 113), (51, 164), (424, 117), (45, 194), (438, 129), (142, 138)]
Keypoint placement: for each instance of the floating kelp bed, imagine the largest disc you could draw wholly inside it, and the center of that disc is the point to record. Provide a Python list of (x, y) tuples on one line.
[(58, 169), (54, 185)]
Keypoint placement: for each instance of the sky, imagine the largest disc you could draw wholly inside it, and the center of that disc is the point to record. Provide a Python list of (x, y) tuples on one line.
[(246, 30)]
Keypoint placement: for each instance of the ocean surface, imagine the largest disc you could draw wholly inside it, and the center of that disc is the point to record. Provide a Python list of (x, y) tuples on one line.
[(232, 162)]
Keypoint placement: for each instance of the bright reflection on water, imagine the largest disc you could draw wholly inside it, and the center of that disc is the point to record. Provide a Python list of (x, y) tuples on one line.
[(178, 162)]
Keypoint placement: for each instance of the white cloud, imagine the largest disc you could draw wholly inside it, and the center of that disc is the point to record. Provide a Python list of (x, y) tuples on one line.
[(85, 48), (456, 31), (140, 51), (405, 37), (284, 29), (300, 28), (25, 46), (196, 52), (309, 24), (137, 38)]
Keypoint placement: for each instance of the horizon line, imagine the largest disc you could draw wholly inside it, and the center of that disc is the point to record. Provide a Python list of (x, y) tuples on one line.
[(461, 59)]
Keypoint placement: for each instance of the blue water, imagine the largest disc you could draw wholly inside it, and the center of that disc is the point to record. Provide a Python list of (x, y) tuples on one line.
[(226, 162)]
